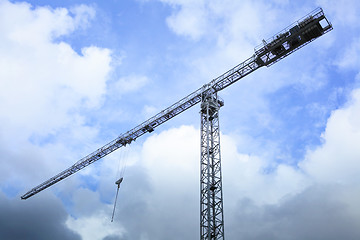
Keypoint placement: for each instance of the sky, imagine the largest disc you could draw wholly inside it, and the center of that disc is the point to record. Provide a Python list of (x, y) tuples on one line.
[(74, 75)]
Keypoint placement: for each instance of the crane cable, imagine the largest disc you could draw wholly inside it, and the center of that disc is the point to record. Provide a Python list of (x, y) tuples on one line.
[(121, 176), (117, 192)]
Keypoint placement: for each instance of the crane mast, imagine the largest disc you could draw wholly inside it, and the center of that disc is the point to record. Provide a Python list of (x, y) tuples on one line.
[(211, 204), (287, 41)]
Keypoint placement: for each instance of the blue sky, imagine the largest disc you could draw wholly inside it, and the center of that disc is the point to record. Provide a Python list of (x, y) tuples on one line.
[(76, 74)]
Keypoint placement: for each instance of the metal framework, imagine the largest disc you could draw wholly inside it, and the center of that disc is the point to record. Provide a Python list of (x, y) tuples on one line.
[(287, 41), (211, 197)]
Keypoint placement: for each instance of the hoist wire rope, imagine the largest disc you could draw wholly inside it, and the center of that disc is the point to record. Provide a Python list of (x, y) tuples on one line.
[(125, 160), (121, 156), (117, 192), (120, 173)]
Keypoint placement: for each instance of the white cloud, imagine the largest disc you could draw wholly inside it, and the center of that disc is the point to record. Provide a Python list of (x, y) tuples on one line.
[(149, 111), (190, 20), (343, 12), (284, 196), (130, 84), (350, 58), (270, 198), (246, 176), (95, 227), (175, 150), (343, 15), (228, 32), (171, 162), (337, 160), (43, 82), (82, 15), (218, 19)]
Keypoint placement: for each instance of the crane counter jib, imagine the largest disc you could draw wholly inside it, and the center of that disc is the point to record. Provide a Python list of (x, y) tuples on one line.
[(287, 41)]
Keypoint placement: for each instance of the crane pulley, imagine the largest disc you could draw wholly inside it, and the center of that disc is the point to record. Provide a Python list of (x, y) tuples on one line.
[(287, 41)]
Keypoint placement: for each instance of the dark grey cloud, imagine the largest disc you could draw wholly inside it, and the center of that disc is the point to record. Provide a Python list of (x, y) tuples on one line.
[(316, 213), (39, 218)]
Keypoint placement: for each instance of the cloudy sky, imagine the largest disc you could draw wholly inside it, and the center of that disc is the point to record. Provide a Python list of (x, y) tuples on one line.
[(76, 74)]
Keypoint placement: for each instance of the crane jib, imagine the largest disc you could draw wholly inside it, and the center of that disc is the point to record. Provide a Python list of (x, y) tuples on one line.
[(287, 41)]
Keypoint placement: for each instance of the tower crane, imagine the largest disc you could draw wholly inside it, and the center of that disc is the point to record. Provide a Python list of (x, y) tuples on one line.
[(287, 41)]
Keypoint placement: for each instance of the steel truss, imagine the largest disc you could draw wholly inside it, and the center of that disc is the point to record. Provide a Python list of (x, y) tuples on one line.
[(211, 196)]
